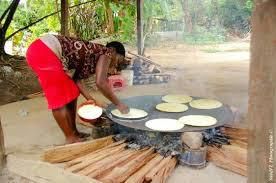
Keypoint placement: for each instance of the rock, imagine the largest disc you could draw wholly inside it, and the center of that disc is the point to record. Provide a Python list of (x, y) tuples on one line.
[(18, 75), (192, 139), (7, 70), (23, 113)]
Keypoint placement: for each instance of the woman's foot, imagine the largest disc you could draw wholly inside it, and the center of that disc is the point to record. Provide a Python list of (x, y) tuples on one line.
[(74, 139)]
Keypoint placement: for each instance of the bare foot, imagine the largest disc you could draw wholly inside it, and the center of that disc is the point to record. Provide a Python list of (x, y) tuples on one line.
[(75, 139)]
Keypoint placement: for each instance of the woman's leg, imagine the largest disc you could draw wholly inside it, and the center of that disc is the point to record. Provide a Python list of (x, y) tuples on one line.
[(72, 106), (64, 119)]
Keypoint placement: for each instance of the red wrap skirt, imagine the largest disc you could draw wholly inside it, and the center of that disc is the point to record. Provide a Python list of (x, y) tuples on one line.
[(58, 87)]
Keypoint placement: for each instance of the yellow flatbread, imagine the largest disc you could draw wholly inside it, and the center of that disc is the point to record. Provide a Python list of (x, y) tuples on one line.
[(181, 99), (171, 107), (133, 113), (205, 104), (164, 124), (198, 120)]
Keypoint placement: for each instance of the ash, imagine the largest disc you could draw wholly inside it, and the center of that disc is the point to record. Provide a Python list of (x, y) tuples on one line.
[(164, 143), (214, 137)]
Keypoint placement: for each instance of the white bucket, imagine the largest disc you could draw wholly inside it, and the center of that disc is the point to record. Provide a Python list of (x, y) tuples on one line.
[(128, 76)]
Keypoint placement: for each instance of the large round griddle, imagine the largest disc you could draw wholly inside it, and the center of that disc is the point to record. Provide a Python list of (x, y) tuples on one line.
[(148, 103)]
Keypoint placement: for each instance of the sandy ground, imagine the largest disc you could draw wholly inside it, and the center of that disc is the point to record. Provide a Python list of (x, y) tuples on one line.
[(29, 127)]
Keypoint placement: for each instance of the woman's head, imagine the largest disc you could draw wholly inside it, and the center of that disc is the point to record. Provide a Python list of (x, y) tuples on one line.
[(118, 54), (118, 47)]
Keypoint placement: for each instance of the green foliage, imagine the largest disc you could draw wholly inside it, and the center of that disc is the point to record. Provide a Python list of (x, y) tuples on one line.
[(87, 20), (211, 20), (235, 15)]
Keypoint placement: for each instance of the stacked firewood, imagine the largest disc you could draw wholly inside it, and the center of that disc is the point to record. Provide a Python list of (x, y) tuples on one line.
[(114, 163), (232, 157)]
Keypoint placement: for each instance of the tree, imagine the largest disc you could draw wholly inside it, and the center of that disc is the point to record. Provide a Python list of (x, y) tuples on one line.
[(5, 21), (7, 18), (64, 17)]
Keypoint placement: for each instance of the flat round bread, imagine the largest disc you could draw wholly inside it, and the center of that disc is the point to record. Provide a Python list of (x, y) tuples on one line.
[(198, 120), (90, 111), (133, 113), (205, 104), (164, 124), (180, 99), (171, 107)]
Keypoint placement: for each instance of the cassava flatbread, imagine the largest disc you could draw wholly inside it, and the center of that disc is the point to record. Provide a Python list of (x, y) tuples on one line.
[(164, 124), (198, 120), (90, 111), (181, 99), (133, 113), (205, 104), (171, 107)]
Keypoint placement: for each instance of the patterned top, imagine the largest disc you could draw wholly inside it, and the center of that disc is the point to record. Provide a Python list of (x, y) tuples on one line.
[(81, 56)]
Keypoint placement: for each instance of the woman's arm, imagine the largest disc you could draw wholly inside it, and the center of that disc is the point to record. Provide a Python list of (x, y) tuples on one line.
[(83, 90), (102, 83)]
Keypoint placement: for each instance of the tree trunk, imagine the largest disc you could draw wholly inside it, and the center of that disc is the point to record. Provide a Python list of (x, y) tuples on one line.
[(140, 26), (2, 149), (64, 17), (109, 17), (187, 19), (4, 26), (262, 97)]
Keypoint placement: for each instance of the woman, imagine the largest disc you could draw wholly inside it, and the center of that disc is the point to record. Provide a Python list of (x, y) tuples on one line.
[(61, 63)]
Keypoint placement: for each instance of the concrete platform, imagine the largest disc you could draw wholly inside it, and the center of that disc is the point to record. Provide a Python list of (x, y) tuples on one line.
[(29, 128)]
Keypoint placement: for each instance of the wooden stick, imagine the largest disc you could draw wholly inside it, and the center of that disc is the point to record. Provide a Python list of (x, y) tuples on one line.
[(239, 143), (95, 158), (164, 173), (100, 167), (157, 168), (235, 153), (169, 169), (72, 151), (120, 174), (95, 153), (144, 58), (221, 161), (2, 148), (139, 176), (158, 178)]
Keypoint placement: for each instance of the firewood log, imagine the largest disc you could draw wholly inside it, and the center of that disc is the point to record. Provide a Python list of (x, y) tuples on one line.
[(121, 173), (221, 160), (236, 133), (157, 168), (100, 166), (139, 176), (164, 173), (94, 159), (95, 153), (71, 151), (239, 143)]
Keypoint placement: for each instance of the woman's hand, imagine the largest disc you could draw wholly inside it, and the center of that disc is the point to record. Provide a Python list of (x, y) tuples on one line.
[(94, 102), (123, 108)]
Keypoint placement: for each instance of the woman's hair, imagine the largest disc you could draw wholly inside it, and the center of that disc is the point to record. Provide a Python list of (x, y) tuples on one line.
[(119, 47)]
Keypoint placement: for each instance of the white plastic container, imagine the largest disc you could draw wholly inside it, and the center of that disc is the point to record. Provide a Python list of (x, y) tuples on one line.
[(128, 76)]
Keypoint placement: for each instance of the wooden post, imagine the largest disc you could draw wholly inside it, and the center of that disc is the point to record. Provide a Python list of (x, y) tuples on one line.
[(140, 44), (262, 94), (64, 17), (2, 149)]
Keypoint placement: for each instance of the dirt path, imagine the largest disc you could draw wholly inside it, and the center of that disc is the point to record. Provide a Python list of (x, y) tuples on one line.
[(222, 74)]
